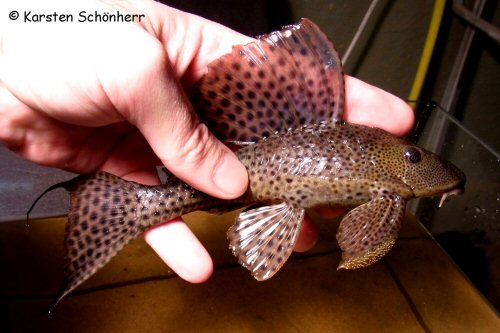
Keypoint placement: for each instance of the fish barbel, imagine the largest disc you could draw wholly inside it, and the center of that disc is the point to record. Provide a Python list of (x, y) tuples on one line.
[(281, 99)]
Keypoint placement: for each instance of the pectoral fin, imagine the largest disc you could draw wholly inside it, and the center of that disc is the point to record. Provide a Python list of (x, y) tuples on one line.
[(369, 231), (263, 238)]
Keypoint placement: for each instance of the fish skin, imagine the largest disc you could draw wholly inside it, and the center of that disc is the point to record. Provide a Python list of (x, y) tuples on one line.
[(298, 154)]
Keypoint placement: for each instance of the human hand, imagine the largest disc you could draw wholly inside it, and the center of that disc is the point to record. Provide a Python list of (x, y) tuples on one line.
[(87, 96), (111, 97)]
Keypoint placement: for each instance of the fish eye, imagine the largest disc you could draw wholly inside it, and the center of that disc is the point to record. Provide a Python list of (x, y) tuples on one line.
[(413, 155)]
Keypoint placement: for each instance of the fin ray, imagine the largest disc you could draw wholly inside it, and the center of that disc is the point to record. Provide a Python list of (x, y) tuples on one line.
[(99, 225), (284, 80), (263, 238), (369, 231)]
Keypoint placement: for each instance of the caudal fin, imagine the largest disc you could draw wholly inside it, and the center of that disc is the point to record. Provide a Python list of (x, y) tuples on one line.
[(103, 218)]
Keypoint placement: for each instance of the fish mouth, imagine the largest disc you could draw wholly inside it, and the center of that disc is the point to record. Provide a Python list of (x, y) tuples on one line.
[(455, 191)]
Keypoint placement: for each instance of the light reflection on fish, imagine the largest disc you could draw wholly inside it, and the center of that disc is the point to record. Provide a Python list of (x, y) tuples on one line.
[(281, 99)]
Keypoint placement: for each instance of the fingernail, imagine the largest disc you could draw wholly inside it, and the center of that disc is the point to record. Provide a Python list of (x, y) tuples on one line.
[(231, 176)]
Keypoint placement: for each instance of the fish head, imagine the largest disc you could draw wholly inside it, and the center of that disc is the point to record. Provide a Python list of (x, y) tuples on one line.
[(427, 174)]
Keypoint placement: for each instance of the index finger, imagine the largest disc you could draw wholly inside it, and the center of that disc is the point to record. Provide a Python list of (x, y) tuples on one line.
[(372, 106)]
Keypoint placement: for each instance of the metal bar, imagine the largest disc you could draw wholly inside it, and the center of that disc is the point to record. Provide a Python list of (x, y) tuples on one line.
[(434, 141), (435, 137), (488, 28), (360, 29)]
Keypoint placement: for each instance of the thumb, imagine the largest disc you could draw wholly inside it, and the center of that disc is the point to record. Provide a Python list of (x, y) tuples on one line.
[(185, 146)]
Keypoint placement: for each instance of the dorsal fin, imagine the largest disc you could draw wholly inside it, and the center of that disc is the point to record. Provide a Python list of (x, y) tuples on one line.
[(284, 80)]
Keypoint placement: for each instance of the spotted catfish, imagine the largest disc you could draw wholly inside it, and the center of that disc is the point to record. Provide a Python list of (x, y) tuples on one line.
[(281, 100)]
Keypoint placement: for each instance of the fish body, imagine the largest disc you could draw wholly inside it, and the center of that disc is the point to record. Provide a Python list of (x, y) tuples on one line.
[(281, 99), (341, 165)]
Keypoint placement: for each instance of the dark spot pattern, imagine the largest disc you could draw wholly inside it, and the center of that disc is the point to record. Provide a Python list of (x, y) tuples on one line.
[(285, 93), (369, 231), (120, 211), (289, 82), (325, 163)]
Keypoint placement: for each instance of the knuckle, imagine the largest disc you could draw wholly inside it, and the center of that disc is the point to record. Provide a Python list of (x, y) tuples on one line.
[(196, 147)]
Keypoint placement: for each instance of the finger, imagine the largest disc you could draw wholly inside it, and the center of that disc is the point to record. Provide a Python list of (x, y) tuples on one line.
[(47, 141), (191, 41), (188, 149), (154, 101), (308, 236), (146, 176), (133, 159), (180, 249), (12, 114), (371, 106)]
